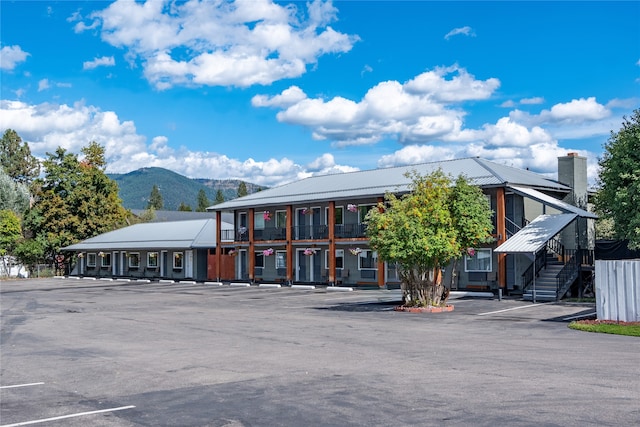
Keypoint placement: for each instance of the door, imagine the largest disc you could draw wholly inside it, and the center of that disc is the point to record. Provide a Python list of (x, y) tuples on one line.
[(188, 264), (308, 267)]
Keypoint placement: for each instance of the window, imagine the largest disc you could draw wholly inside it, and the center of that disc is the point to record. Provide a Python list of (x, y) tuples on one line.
[(134, 260), (152, 259), (339, 259), (259, 259), (258, 221), (105, 259), (281, 219), (368, 260), (481, 260), (91, 260), (363, 210), (339, 215), (281, 259), (178, 260)]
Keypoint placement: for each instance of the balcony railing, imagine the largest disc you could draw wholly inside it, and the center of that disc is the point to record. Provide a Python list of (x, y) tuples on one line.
[(303, 232)]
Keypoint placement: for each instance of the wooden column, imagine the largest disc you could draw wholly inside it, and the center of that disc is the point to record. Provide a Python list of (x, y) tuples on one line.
[(501, 230), (289, 234), (332, 242), (251, 252), (218, 244)]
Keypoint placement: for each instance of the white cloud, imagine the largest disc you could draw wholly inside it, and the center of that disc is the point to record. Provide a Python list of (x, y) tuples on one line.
[(419, 110), (577, 109), (466, 31), (239, 43), (532, 101), (105, 61), (48, 126), (10, 56), (43, 85)]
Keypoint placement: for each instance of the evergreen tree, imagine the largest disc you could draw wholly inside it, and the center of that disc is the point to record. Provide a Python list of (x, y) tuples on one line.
[(155, 199), (203, 201), (13, 195), (184, 208), (242, 189), (16, 158), (219, 197)]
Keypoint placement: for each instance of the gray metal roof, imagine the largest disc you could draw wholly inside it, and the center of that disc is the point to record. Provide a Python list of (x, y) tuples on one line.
[(551, 201), (192, 234), (536, 234), (374, 183)]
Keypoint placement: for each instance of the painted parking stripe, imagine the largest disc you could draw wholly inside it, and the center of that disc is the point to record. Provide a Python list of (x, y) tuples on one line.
[(62, 417), (20, 385), (508, 309)]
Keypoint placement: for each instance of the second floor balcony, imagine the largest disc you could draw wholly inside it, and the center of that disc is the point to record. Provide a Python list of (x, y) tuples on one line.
[(302, 232)]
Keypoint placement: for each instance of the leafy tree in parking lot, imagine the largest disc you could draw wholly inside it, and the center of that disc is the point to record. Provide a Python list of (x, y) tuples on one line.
[(438, 221), (618, 196)]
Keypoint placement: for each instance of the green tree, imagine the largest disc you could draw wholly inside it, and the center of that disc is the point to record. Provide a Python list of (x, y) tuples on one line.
[(16, 158), (426, 229), (242, 189), (13, 195), (184, 208), (203, 201), (155, 199), (30, 252), (219, 197), (10, 234), (75, 200), (618, 195)]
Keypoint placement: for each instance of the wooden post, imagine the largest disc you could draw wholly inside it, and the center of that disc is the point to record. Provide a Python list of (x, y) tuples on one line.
[(332, 242), (251, 252), (289, 234), (218, 256)]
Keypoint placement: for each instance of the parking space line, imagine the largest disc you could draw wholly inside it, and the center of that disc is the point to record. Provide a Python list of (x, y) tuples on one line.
[(507, 309), (62, 417), (20, 385)]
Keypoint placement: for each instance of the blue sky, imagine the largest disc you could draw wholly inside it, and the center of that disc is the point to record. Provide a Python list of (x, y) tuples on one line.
[(272, 92)]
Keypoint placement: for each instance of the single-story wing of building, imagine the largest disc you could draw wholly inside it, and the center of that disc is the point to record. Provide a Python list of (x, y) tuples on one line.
[(173, 250)]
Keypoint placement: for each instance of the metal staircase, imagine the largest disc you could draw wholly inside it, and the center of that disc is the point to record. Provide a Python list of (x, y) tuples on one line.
[(546, 285)]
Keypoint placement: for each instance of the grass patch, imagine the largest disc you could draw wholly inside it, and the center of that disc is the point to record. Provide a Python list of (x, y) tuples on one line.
[(607, 327)]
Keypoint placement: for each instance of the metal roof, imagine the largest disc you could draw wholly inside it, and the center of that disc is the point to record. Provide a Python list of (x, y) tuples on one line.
[(536, 234), (376, 182), (551, 201), (156, 235)]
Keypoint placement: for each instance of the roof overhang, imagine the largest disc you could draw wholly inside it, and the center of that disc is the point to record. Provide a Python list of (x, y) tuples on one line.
[(551, 201), (536, 234)]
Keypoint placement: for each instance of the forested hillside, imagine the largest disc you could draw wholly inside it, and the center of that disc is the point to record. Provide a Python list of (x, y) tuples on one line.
[(135, 188)]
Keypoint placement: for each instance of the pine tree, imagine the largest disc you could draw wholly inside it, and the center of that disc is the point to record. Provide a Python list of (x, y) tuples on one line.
[(219, 197), (155, 199), (203, 201), (242, 189)]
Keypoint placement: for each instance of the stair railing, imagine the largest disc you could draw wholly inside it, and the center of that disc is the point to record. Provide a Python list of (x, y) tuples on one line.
[(539, 263), (556, 247), (566, 276)]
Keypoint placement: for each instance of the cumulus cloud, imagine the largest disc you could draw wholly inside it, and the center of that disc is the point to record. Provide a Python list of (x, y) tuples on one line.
[(241, 43), (421, 110), (10, 56), (105, 61), (49, 126), (465, 31)]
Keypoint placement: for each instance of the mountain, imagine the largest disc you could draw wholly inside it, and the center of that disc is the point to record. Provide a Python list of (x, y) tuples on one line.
[(135, 188)]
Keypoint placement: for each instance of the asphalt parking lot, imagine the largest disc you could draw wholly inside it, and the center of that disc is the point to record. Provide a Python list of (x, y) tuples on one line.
[(80, 352)]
